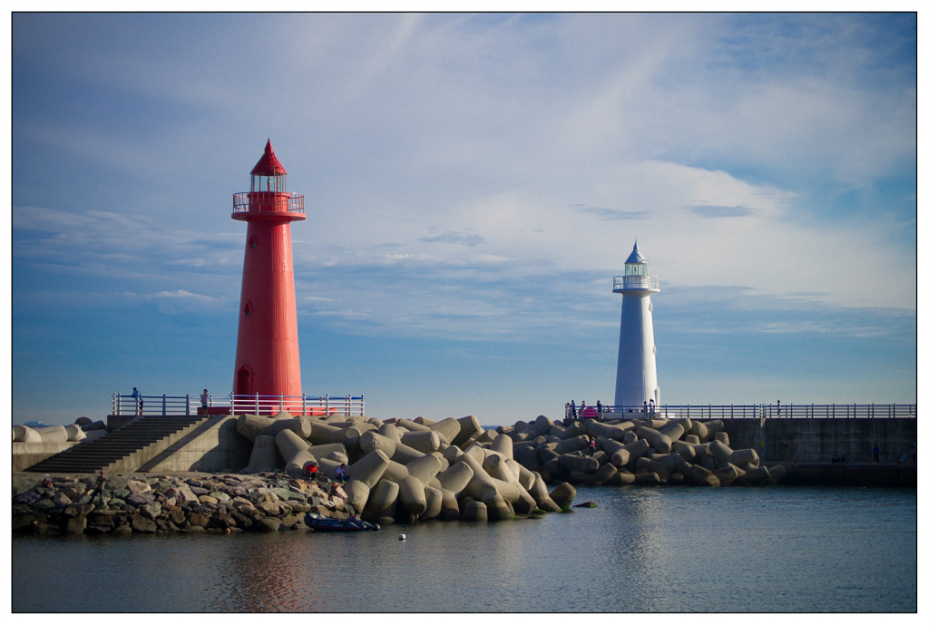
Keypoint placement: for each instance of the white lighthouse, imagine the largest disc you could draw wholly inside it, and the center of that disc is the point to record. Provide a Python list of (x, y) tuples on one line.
[(636, 373)]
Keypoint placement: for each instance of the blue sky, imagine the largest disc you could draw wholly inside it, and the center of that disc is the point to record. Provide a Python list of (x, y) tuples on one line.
[(473, 183)]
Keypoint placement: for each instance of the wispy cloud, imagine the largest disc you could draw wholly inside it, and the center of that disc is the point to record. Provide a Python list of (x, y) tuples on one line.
[(455, 237), (611, 213)]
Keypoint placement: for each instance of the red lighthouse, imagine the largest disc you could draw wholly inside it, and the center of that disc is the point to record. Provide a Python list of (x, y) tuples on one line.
[(267, 356)]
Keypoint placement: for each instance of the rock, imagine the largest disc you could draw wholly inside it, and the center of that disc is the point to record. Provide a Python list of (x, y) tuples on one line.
[(197, 520), (28, 498), (142, 525), (140, 500), (586, 504), (76, 510), (267, 524), (151, 510), (138, 488), (123, 530), (61, 500)]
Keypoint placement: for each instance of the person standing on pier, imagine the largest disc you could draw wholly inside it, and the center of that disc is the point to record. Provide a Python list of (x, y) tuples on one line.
[(138, 400), (204, 399)]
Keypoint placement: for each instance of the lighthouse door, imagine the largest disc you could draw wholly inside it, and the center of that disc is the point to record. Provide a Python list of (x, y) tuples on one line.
[(243, 383)]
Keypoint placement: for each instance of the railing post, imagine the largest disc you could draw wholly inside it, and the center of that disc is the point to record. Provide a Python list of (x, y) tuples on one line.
[(894, 407), (362, 405), (188, 405), (164, 405), (304, 404), (349, 409), (280, 405), (327, 405), (257, 404), (116, 403), (872, 411)]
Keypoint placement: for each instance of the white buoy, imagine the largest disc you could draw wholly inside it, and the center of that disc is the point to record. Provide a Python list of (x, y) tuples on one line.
[(402, 536), (636, 372)]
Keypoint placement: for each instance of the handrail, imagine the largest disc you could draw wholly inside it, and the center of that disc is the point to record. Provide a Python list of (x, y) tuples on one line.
[(286, 202), (298, 405), (635, 283), (757, 411)]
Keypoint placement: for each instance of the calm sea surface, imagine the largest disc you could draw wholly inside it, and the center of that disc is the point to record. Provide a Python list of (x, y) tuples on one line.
[(643, 550)]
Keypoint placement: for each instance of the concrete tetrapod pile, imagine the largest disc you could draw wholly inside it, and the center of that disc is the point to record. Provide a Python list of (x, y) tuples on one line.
[(635, 451), (403, 470)]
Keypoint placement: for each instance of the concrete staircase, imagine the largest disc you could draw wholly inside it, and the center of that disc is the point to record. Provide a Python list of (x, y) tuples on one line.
[(124, 450)]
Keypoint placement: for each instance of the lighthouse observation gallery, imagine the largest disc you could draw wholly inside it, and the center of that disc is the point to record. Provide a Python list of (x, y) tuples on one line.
[(636, 373), (267, 358)]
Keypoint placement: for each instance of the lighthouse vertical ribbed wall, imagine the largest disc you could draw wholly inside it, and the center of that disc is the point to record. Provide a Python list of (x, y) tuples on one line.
[(636, 369), (267, 359)]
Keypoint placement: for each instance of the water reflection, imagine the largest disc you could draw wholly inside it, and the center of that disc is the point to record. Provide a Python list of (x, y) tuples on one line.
[(660, 549)]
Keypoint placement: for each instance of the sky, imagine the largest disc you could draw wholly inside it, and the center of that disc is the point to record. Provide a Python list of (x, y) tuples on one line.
[(473, 182)]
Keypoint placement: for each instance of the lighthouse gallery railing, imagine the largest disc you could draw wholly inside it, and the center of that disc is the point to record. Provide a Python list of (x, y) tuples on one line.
[(175, 405), (759, 411), (278, 202)]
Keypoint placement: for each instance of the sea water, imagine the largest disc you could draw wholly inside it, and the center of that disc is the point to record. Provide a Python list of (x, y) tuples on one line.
[(658, 549)]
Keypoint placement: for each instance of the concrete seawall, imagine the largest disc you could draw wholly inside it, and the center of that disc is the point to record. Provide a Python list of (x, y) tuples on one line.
[(816, 440)]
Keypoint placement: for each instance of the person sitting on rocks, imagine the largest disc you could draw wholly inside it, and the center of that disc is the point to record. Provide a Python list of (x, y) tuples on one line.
[(340, 473), (311, 470)]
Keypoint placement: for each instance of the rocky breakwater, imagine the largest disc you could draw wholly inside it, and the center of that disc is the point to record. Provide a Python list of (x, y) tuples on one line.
[(405, 470), (645, 452), (400, 470), (146, 504)]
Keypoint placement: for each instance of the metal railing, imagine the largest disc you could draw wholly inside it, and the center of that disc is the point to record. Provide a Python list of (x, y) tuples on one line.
[(266, 201), (303, 405), (635, 283), (758, 411)]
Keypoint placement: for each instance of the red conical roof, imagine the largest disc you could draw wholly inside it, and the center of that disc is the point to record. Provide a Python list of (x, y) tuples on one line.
[(268, 165)]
